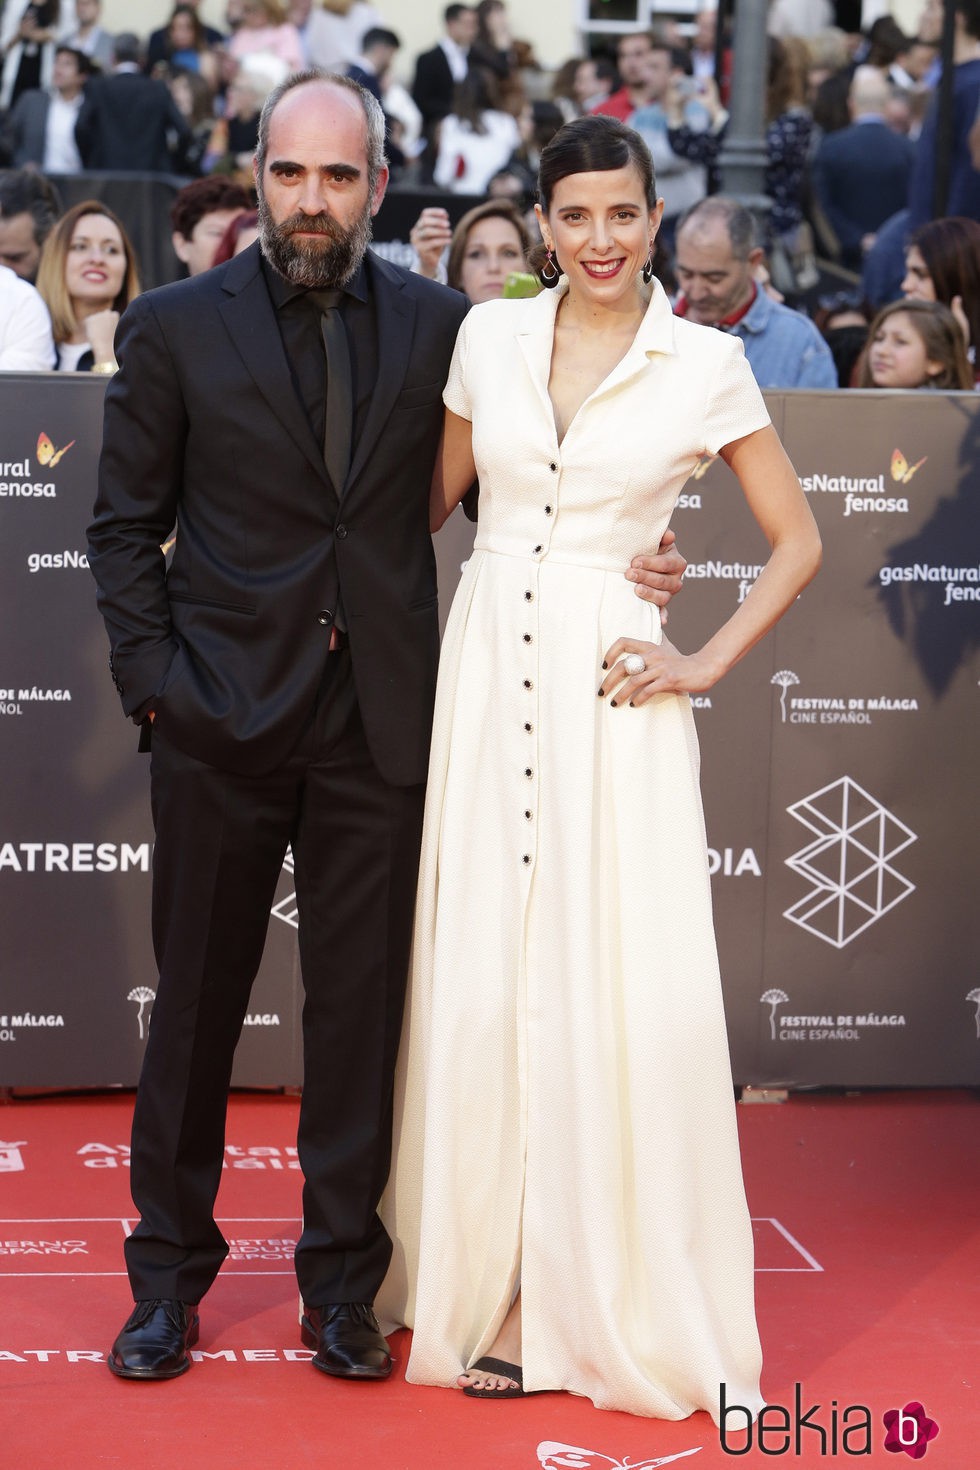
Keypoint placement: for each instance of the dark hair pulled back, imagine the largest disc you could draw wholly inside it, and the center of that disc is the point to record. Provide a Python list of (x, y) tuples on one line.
[(593, 144)]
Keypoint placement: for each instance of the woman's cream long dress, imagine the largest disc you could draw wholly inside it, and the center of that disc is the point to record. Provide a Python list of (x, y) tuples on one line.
[(564, 1115)]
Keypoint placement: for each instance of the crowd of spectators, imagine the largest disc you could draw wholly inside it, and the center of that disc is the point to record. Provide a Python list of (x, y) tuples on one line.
[(850, 141)]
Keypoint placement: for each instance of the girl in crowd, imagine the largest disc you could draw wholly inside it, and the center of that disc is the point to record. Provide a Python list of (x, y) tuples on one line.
[(566, 1195), (915, 344), (942, 263), (87, 277)]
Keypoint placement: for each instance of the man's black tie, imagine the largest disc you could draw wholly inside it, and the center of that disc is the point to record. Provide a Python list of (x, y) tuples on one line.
[(339, 415)]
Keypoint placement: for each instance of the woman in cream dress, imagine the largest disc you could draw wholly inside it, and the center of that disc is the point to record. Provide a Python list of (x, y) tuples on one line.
[(566, 1201)]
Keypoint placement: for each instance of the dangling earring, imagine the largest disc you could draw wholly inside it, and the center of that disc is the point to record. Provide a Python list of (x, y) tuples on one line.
[(647, 271), (550, 265)]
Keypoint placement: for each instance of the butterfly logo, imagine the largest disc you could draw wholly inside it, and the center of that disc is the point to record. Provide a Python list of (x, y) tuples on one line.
[(554, 1456), (47, 455), (902, 471), (703, 465)]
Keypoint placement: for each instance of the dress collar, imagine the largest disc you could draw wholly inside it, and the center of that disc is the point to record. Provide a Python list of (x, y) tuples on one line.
[(654, 334)]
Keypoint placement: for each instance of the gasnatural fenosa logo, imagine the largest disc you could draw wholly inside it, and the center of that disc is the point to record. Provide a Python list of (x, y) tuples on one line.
[(901, 470), (865, 494), (47, 455)]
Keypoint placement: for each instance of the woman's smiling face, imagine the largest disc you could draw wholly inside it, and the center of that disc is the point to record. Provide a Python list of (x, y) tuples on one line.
[(600, 229), (96, 265)]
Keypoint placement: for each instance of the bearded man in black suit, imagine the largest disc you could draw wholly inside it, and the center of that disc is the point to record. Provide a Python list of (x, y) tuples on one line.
[(284, 673)]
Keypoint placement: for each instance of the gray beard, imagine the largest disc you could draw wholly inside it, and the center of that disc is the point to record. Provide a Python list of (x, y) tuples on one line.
[(315, 264)]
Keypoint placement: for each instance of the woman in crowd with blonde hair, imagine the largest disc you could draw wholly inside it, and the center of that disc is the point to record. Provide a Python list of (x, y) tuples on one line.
[(490, 243), (88, 276)]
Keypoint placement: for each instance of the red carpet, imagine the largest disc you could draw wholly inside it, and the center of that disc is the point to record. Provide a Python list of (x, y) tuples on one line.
[(867, 1230)]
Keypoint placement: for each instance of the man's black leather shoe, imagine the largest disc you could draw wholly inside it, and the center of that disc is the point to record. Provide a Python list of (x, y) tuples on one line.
[(155, 1340), (347, 1339)]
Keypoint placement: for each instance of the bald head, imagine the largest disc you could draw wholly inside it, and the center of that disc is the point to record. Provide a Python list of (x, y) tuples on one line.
[(869, 92), (312, 92), (319, 182), (715, 258)]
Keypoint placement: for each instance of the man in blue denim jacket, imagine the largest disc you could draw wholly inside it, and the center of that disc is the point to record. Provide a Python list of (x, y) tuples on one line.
[(716, 257)]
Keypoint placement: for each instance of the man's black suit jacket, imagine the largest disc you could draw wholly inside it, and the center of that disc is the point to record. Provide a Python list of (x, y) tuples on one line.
[(861, 177), (130, 122), (203, 427), (433, 87)]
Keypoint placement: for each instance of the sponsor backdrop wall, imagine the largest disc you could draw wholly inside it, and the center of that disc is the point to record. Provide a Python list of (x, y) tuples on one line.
[(839, 763)]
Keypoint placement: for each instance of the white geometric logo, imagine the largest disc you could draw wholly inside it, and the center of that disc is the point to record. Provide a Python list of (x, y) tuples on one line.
[(286, 909), (850, 862)]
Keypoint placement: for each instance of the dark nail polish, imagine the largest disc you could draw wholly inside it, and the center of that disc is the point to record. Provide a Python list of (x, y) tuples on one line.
[(600, 692), (613, 703), (604, 664), (632, 705)]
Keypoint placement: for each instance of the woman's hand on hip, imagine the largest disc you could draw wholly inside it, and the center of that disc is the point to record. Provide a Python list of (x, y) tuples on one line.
[(665, 671)]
